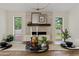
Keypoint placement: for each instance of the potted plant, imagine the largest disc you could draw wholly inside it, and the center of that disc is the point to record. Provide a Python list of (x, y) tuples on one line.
[(44, 39), (65, 35), (9, 38), (44, 43), (6, 42)]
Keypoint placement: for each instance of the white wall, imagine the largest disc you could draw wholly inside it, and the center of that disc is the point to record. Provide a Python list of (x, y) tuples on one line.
[(27, 18), (10, 16), (74, 24), (65, 16), (6, 21), (10, 24), (2, 24), (48, 29)]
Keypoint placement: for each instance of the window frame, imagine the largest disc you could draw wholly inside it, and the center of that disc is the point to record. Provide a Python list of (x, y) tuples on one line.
[(14, 23), (55, 26)]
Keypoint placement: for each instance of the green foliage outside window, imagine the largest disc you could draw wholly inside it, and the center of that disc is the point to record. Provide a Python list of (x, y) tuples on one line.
[(18, 23), (59, 25)]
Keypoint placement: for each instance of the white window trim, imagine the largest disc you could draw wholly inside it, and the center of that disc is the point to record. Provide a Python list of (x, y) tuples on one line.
[(14, 23)]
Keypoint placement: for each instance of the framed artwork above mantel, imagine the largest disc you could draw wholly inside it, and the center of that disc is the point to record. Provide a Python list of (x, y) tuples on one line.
[(35, 16), (38, 18), (43, 19)]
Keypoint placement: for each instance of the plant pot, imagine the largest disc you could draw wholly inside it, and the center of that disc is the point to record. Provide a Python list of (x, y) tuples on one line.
[(69, 44)]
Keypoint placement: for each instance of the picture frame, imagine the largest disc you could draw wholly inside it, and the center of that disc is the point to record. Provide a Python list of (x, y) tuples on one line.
[(35, 16), (43, 19)]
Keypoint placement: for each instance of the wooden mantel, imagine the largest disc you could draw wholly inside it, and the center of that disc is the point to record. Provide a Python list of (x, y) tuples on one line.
[(36, 24)]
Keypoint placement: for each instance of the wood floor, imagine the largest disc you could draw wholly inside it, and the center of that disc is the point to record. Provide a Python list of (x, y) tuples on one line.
[(48, 53)]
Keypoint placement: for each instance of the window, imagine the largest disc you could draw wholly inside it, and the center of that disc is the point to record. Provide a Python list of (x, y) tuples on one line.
[(59, 26), (18, 23)]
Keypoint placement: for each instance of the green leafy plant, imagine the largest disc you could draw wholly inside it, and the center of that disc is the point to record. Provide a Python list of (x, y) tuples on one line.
[(9, 38), (44, 40), (65, 35)]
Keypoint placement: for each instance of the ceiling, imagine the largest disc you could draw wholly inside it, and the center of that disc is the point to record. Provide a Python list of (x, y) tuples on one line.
[(33, 6)]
